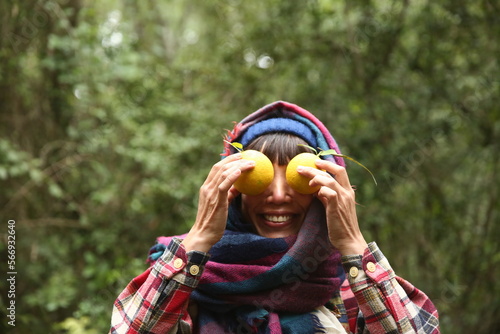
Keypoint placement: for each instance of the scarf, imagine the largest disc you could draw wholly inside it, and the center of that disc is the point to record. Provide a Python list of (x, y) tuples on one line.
[(253, 284)]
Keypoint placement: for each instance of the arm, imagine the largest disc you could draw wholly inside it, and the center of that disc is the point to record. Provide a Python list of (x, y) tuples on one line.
[(378, 301), (387, 304), (157, 300)]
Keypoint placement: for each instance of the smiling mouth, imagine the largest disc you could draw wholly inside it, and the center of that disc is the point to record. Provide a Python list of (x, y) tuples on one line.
[(278, 219)]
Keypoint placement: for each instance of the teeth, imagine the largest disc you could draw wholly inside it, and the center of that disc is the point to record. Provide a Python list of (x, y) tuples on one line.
[(277, 219)]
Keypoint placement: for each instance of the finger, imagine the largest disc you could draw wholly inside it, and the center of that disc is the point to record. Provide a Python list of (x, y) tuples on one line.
[(228, 159), (222, 166), (232, 172), (228, 178), (324, 178), (232, 194), (318, 177), (238, 162), (327, 196), (338, 172)]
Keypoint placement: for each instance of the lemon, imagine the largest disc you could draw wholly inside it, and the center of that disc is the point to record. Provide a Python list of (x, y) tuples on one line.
[(298, 182), (256, 180)]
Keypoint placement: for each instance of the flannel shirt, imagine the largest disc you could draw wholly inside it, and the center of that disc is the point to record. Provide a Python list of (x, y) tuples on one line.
[(372, 299)]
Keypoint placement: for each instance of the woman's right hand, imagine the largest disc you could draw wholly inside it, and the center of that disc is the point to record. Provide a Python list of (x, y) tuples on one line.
[(215, 195)]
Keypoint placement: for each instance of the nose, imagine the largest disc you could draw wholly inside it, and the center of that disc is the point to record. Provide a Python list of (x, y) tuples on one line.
[(278, 191)]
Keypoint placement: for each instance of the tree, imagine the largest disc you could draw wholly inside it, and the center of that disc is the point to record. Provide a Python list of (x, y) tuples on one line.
[(114, 112)]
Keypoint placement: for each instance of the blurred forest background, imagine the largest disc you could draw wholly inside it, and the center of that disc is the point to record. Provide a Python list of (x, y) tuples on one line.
[(113, 111)]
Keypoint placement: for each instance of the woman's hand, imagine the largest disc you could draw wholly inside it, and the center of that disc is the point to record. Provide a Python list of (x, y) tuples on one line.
[(338, 198), (215, 195)]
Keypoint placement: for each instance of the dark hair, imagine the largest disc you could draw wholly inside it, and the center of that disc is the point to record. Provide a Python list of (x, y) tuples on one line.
[(279, 147)]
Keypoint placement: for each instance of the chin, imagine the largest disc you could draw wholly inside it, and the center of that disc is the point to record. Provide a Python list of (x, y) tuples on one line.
[(277, 234)]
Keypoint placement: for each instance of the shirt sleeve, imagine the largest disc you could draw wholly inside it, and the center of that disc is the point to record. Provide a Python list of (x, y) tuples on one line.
[(378, 301), (156, 301)]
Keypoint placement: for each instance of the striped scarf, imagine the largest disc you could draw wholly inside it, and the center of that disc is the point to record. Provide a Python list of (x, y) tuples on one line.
[(253, 284)]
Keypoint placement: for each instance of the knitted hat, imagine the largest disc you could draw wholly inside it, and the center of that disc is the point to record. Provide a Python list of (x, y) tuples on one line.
[(281, 116)]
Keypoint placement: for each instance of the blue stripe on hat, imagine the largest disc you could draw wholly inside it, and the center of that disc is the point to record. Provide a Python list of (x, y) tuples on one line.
[(273, 125)]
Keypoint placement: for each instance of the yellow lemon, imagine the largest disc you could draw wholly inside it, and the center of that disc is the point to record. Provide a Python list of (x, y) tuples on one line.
[(256, 180), (298, 182)]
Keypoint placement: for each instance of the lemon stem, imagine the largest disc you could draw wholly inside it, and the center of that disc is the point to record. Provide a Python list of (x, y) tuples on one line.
[(311, 148)]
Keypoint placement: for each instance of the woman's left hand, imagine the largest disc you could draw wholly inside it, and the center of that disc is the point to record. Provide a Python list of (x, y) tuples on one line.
[(338, 198)]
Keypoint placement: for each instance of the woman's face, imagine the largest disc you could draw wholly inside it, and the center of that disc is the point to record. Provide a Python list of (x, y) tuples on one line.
[(279, 211)]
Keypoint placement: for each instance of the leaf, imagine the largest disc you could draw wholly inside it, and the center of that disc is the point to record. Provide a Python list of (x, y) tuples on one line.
[(55, 190), (333, 152), (236, 145)]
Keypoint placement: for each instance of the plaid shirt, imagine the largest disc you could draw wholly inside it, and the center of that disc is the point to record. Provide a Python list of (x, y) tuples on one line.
[(371, 300)]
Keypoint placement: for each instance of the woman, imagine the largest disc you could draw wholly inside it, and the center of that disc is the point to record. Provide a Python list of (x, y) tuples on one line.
[(278, 262)]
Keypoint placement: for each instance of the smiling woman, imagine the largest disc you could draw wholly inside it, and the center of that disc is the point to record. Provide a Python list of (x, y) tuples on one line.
[(279, 211), (274, 262)]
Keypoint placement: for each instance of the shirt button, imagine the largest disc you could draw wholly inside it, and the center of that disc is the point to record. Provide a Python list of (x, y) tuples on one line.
[(371, 267), (353, 272), (178, 263), (194, 270)]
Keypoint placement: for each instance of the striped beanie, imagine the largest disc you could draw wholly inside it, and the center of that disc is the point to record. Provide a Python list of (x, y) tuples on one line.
[(284, 117)]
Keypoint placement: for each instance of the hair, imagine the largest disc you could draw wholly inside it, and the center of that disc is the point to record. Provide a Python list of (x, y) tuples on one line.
[(279, 147)]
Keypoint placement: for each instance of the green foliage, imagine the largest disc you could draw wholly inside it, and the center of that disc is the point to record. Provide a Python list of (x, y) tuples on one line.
[(113, 113)]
